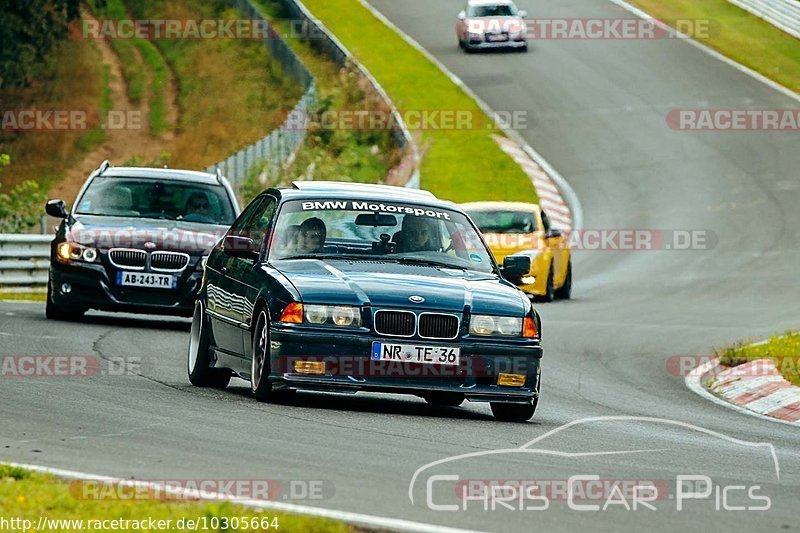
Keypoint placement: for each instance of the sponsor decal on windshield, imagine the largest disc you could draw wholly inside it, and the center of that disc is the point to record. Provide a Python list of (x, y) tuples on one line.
[(353, 205)]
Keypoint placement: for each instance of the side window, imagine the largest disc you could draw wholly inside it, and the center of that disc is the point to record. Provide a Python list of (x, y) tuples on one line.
[(545, 221), (261, 220), (240, 225)]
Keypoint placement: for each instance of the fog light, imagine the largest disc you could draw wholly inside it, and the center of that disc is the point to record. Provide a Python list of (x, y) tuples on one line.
[(309, 367), (529, 280), (511, 380), (66, 288)]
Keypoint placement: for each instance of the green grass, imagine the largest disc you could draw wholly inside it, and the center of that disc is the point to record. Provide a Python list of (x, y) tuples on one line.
[(460, 165), (12, 294), (159, 78), (739, 35), (783, 350), (132, 69), (29, 495), (229, 90)]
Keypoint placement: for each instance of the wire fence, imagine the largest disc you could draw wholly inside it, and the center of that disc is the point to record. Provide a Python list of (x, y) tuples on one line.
[(274, 149)]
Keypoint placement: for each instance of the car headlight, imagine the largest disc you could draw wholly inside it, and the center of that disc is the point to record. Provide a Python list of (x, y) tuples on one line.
[(339, 315), (72, 251), (496, 326)]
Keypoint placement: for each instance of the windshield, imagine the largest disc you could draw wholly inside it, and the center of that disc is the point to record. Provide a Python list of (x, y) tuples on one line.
[(404, 233), (504, 221), (162, 199), (492, 11)]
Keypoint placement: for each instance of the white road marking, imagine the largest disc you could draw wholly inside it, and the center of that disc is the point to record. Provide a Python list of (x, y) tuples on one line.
[(371, 521)]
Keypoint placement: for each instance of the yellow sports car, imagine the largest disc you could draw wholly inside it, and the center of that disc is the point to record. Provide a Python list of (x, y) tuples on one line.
[(516, 228)]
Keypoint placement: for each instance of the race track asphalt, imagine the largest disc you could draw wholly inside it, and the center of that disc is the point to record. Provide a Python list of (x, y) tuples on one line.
[(597, 114)]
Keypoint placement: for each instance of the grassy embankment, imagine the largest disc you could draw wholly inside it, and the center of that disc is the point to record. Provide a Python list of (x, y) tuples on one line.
[(737, 34), (27, 495), (783, 350), (459, 164)]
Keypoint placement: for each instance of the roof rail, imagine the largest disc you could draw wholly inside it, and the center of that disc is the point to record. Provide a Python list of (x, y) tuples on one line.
[(220, 177), (103, 166)]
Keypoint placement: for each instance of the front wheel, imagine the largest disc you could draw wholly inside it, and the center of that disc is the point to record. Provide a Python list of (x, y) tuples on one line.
[(514, 412), (260, 365), (549, 291), (565, 292), (53, 311), (201, 374)]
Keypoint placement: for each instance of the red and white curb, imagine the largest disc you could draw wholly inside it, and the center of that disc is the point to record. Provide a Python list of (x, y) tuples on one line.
[(550, 198), (756, 388)]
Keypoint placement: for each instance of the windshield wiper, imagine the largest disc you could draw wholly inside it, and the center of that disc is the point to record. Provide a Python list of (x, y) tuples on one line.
[(426, 262), (343, 257)]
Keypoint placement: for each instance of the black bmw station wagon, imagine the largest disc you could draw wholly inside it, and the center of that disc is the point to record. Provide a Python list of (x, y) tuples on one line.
[(342, 287), (136, 240)]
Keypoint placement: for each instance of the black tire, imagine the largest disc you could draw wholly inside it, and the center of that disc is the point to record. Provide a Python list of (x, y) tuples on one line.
[(550, 292), (260, 385), (53, 311), (198, 360), (565, 292), (444, 399), (514, 412)]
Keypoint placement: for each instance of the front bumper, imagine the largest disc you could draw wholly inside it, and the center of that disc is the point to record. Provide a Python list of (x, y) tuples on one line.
[(93, 288), (349, 368), (474, 44)]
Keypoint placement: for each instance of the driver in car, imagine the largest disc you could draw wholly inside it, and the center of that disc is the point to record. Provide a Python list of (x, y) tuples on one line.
[(312, 236), (416, 235), (198, 207)]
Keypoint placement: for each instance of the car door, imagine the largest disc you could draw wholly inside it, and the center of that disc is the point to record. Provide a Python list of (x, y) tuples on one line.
[(244, 281), (554, 240), (224, 308)]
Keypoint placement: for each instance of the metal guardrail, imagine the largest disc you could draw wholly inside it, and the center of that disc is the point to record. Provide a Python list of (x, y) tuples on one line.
[(783, 14), (276, 147), (24, 259)]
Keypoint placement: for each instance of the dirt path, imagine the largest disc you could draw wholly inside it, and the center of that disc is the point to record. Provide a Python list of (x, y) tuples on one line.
[(122, 143)]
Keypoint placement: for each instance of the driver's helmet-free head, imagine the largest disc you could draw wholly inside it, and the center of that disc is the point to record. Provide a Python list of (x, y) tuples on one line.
[(312, 235), (197, 203)]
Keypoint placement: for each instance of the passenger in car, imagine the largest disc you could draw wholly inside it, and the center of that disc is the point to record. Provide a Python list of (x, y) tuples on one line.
[(312, 236), (416, 235)]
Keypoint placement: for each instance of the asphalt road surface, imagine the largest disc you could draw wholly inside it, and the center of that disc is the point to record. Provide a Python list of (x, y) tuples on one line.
[(597, 113)]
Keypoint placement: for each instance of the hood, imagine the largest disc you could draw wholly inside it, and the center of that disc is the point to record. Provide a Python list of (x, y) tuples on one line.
[(381, 284), (495, 24), (121, 232)]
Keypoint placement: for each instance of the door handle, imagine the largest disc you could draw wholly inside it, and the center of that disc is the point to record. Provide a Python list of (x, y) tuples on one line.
[(224, 270)]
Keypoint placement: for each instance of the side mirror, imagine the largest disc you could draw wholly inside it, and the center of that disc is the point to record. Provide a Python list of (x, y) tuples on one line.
[(522, 13), (238, 246), (462, 15), (56, 208), (516, 266), (553, 232)]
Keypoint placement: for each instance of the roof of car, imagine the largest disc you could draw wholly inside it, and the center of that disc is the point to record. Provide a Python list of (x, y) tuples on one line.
[(500, 206), (362, 191), (159, 173), (489, 2)]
